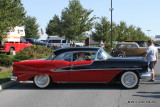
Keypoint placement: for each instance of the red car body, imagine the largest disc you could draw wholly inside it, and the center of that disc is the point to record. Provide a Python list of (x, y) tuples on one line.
[(27, 69)]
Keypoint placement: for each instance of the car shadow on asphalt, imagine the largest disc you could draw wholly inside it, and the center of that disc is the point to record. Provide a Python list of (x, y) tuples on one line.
[(68, 86), (148, 94)]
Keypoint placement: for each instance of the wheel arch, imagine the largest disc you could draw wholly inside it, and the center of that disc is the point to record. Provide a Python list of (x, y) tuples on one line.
[(117, 77)]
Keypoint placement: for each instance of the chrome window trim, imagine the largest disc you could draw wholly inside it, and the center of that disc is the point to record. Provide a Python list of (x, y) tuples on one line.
[(76, 52)]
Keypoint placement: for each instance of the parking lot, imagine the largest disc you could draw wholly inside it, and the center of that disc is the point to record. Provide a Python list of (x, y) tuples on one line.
[(82, 95)]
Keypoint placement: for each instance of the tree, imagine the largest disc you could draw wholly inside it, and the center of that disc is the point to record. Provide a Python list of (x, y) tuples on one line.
[(74, 22), (121, 31), (12, 14), (54, 26), (31, 27), (102, 31)]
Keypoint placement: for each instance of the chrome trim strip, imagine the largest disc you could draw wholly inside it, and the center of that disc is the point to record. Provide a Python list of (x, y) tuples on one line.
[(60, 70)]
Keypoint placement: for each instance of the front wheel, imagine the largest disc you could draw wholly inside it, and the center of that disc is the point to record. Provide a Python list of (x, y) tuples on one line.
[(42, 81), (129, 80)]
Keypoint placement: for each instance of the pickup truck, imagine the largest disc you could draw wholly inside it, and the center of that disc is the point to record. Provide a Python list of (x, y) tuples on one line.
[(14, 41)]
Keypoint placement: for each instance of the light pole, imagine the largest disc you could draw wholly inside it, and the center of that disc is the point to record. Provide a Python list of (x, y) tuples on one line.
[(111, 9)]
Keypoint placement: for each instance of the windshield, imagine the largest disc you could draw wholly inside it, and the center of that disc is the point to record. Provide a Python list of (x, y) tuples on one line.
[(102, 55)]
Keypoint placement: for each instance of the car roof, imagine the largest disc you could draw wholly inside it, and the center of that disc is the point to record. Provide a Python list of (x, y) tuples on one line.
[(127, 43), (62, 50)]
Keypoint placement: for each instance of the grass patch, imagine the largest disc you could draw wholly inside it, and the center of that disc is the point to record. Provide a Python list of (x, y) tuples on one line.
[(4, 76)]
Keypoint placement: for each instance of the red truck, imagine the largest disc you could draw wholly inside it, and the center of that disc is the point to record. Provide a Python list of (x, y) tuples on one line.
[(14, 41)]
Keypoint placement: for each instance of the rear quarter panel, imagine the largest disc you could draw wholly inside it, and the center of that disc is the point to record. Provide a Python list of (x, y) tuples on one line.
[(26, 70)]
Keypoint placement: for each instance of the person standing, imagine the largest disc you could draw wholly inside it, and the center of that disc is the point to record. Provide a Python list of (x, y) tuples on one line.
[(151, 56)]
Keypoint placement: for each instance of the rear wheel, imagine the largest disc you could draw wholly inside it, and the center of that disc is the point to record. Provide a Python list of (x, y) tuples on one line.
[(42, 81), (129, 80)]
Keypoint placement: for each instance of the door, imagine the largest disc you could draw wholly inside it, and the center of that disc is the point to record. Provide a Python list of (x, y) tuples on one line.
[(81, 71), (132, 50)]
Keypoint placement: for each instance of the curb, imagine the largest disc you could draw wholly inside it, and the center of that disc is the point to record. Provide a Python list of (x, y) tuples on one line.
[(7, 84)]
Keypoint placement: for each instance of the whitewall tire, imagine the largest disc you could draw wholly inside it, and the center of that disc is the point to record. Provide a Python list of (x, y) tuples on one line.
[(129, 80), (42, 81)]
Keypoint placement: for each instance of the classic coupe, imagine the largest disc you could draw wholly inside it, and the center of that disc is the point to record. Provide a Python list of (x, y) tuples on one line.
[(96, 66)]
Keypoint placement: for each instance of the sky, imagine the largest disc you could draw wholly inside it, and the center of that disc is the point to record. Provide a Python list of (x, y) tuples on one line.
[(140, 13)]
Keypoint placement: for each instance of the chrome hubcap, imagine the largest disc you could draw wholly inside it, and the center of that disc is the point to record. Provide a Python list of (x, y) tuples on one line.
[(129, 79), (42, 79)]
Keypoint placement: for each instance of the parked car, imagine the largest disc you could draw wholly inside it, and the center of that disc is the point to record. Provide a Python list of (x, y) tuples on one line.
[(128, 49), (37, 42), (79, 44), (61, 66), (56, 41)]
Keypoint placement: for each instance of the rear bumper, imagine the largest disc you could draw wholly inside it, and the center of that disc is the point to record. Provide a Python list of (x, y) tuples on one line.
[(145, 76), (14, 78)]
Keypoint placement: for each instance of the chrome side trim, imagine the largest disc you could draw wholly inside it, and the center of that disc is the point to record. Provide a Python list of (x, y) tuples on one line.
[(13, 78), (60, 70)]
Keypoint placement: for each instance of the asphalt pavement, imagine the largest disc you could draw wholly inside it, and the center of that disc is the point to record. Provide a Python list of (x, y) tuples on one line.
[(82, 95)]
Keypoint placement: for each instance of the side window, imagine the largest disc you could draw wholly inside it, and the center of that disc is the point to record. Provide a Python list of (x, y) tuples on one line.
[(64, 57), (63, 41), (84, 56), (68, 57), (121, 46), (132, 46)]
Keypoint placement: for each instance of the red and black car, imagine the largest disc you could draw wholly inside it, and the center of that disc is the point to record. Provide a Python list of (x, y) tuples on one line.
[(97, 66)]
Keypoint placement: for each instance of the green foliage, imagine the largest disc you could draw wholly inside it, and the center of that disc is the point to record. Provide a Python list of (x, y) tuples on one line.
[(33, 52), (121, 32), (5, 60), (107, 47), (102, 31), (4, 76), (31, 27), (54, 26), (74, 22), (12, 14)]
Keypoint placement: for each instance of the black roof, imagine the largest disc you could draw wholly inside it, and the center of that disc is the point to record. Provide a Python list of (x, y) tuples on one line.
[(62, 50)]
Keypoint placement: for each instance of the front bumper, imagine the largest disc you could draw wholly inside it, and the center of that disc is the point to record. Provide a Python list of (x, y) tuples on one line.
[(145, 76), (14, 78)]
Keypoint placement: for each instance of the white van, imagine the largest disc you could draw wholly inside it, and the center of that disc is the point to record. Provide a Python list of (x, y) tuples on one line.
[(58, 42)]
